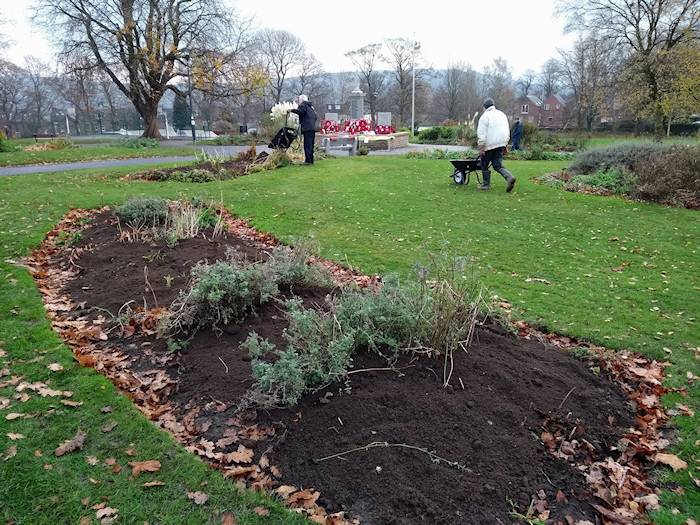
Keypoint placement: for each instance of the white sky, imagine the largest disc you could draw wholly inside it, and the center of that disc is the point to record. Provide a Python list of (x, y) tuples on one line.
[(525, 33)]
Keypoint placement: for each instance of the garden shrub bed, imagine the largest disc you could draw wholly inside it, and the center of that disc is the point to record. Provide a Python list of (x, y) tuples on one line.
[(521, 425)]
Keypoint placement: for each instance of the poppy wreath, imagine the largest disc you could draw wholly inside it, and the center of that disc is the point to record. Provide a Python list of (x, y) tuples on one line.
[(330, 126), (357, 126), (384, 130)]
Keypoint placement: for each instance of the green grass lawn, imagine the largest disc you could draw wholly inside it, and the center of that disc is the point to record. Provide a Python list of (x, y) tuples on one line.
[(597, 141), (85, 153), (617, 273)]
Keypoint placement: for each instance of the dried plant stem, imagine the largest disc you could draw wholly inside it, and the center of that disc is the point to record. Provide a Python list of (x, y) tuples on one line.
[(565, 398), (385, 369), (222, 362), (145, 276), (384, 444)]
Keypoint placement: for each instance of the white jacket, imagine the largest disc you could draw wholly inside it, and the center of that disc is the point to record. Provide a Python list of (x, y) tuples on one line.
[(493, 130)]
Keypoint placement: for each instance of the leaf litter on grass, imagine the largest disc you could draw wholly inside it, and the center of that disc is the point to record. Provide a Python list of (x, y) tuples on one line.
[(250, 450)]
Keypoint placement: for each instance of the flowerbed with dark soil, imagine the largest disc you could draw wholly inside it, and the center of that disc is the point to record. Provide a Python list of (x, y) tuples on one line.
[(524, 427)]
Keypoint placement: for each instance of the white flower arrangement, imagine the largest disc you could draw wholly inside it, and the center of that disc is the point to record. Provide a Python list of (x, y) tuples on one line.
[(280, 111)]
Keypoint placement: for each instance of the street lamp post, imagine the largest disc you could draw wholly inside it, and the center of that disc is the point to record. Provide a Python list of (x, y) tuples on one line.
[(99, 119), (189, 87), (416, 47)]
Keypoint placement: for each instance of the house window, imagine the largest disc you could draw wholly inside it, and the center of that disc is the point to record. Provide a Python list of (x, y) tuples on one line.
[(550, 119), (525, 109), (558, 106), (546, 106)]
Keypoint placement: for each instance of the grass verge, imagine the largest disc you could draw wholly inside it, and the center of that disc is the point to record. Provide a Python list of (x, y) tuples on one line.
[(26, 157)]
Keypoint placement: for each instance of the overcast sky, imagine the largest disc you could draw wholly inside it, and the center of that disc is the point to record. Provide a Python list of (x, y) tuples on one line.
[(525, 33)]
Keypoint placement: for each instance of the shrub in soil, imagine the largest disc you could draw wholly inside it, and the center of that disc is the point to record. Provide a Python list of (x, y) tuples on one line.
[(221, 293), (631, 157), (671, 178), (618, 181), (433, 317), (144, 211)]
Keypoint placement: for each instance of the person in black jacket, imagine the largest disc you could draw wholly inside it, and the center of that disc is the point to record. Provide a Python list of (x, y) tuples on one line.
[(517, 134), (307, 121)]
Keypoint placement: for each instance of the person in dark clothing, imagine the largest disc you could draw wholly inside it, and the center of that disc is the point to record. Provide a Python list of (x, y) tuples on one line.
[(517, 134), (307, 121)]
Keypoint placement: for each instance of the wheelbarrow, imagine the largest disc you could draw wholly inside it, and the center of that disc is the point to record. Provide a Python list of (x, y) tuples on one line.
[(464, 168)]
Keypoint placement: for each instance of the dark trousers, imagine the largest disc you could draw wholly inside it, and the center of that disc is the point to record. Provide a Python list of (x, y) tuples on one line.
[(495, 158), (309, 137)]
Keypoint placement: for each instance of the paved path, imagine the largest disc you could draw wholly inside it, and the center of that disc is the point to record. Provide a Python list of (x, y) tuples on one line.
[(227, 151)]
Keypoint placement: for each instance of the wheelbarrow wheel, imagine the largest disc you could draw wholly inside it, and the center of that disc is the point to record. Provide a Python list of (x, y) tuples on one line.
[(458, 177)]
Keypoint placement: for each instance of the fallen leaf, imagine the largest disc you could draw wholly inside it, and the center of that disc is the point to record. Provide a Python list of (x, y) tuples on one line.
[(56, 367), (109, 428), (92, 460), (71, 403), (260, 511), (107, 511), (672, 461), (144, 466), (72, 444), (285, 490), (305, 498), (650, 502), (11, 452), (229, 520), (154, 484), (200, 498), (242, 455), (15, 437), (695, 480), (685, 410), (85, 520)]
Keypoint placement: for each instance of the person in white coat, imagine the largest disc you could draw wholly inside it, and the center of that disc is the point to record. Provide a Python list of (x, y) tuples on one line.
[(493, 135)]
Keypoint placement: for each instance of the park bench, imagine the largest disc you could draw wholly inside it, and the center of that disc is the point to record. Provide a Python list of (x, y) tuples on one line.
[(38, 136)]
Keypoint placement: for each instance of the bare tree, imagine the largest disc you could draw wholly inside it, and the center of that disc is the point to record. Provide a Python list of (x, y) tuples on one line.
[(526, 83), (549, 79), (283, 53), (643, 31), (40, 96), (13, 95), (4, 41), (366, 59), (309, 80), (111, 99), (498, 81), (139, 43), (589, 69), (402, 54), (456, 93)]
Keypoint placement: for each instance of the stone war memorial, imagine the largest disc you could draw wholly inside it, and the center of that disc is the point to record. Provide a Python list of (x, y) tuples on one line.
[(344, 134)]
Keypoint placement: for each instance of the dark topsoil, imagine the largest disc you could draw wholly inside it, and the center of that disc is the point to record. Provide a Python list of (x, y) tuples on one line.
[(505, 392)]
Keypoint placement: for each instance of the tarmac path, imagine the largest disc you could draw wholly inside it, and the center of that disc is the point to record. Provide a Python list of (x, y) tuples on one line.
[(226, 151)]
